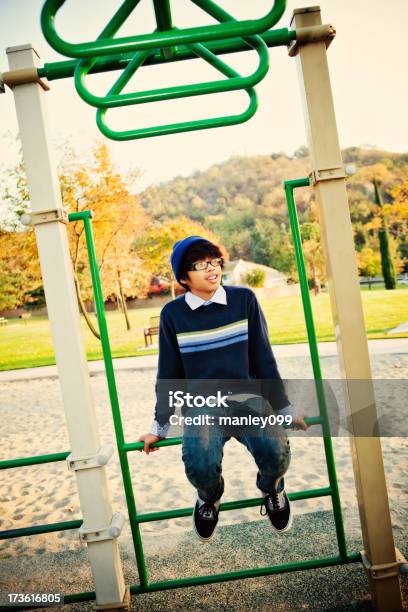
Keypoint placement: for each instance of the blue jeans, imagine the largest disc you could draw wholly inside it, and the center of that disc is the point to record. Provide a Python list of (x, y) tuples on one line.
[(202, 454)]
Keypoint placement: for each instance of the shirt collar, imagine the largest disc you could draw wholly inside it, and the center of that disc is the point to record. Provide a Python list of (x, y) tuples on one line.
[(194, 301)]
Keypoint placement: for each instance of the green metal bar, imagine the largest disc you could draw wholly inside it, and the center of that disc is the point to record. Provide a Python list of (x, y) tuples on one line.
[(175, 128), (24, 461), (307, 305), (132, 446), (113, 395), (115, 98), (233, 83), (37, 529), (80, 216), (295, 183), (127, 447), (314, 354), (162, 11), (154, 40), (65, 69), (124, 448), (226, 506), (247, 573)]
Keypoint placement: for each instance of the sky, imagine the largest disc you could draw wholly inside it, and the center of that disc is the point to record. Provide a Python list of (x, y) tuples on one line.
[(367, 62)]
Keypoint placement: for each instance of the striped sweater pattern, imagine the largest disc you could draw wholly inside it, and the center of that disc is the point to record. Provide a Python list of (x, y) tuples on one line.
[(192, 342)]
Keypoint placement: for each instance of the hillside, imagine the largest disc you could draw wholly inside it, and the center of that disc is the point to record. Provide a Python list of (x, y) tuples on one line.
[(242, 201)]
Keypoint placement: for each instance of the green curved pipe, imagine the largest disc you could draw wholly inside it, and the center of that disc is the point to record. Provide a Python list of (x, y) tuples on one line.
[(175, 128), (289, 187), (185, 126), (156, 39), (170, 93), (115, 98)]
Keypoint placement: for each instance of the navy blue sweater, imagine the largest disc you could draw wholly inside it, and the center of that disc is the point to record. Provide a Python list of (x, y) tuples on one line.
[(217, 341)]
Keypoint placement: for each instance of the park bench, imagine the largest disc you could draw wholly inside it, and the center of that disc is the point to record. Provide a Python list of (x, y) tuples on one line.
[(152, 330), (3, 321)]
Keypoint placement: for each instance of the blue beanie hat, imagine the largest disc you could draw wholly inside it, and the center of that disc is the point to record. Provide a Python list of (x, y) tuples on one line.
[(180, 248)]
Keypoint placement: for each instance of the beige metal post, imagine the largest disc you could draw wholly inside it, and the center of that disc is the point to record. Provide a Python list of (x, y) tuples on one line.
[(344, 289), (100, 528)]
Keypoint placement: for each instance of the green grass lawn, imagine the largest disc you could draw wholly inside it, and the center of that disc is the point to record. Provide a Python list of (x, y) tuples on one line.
[(381, 287), (24, 345)]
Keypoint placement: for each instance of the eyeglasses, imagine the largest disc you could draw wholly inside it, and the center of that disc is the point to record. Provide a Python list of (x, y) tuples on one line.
[(203, 265)]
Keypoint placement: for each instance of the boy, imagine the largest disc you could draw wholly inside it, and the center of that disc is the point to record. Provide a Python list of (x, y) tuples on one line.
[(217, 332)]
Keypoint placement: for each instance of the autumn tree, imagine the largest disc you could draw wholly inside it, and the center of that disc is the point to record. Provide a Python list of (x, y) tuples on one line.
[(312, 251), (397, 215), (19, 266), (382, 182), (19, 269), (368, 263), (117, 220)]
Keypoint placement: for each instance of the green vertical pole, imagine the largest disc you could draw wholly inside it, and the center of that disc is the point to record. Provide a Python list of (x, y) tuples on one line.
[(85, 216), (162, 11), (314, 354)]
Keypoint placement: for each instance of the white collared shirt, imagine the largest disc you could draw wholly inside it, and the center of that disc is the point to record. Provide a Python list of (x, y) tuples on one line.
[(194, 301)]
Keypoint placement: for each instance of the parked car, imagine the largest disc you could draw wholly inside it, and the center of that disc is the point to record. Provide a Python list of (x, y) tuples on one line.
[(161, 286), (158, 286)]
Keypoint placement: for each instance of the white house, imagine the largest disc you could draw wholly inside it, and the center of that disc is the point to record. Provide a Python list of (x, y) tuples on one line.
[(275, 284)]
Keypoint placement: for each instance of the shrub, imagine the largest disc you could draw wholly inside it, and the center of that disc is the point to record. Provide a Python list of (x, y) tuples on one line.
[(255, 278)]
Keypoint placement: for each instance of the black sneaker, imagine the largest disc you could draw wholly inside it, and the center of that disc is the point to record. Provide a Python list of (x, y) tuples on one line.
[(277, 507), (205, 519)]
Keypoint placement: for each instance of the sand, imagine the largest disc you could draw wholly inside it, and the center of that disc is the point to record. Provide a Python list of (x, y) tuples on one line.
[(33, 422)]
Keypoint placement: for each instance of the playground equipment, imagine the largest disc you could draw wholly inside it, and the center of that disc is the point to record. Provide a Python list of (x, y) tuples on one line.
[(307, 40)]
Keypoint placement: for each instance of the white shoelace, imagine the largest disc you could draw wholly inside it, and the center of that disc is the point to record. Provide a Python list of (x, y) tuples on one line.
[(275, 501), (201, 502)]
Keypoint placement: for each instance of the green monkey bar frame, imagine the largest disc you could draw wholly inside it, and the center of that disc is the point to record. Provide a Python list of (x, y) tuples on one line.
[(129, 54), (167, 36), (124, 448), (160, 46)]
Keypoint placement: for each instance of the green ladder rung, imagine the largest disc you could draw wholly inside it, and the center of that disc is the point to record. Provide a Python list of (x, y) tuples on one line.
[(38, 529), (226, 506), (37, 460), (246, 573), (137, 446)]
